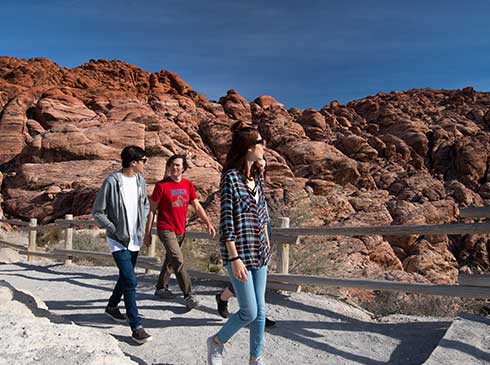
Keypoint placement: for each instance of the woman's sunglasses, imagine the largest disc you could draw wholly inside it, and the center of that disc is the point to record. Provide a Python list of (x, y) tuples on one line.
[(259, 141)]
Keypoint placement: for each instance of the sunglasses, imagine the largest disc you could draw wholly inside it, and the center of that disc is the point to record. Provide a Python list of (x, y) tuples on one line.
[(259, 141), (144, 159)]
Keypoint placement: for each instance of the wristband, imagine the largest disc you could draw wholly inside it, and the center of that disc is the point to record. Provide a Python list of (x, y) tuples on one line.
[(234, 259)]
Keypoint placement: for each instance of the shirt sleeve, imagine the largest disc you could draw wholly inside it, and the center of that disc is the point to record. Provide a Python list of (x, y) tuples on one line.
[(192, 192), (157, 192), (226, 225), (99, 210)]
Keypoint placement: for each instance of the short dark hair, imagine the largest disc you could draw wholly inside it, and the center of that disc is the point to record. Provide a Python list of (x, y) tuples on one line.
[(131, 153), (174, 157)]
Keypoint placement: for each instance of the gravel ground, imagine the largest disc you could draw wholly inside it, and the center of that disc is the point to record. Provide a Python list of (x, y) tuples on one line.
[(467, 341), (310, 329), (29, 334)]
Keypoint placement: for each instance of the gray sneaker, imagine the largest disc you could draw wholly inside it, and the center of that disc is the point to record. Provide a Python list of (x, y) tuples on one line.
[(191, 301), (215, 352), (164, 293)]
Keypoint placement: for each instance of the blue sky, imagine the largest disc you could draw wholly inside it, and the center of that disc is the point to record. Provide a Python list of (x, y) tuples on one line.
[(304, 53)]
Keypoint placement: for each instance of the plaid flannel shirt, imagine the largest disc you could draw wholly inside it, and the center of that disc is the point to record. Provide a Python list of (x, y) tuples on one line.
[(243, 220)]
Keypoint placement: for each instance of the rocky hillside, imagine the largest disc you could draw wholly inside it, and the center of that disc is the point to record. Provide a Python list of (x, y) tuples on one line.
[(408, 157)]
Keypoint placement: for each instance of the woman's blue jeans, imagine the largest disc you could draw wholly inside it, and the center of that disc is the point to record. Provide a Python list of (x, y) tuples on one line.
[(126, 285), (251, 298)]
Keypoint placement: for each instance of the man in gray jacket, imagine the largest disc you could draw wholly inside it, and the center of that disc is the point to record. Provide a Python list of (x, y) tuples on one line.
[(121, 207)]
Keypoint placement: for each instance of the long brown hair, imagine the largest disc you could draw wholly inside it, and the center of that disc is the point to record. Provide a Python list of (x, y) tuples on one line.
[(244, 136)]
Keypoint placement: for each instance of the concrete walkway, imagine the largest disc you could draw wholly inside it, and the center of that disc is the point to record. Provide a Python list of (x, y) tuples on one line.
[(310, 329), (467, 341)]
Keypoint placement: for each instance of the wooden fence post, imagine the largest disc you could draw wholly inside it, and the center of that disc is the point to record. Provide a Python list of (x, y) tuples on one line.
[(32, 246), (152, 248), (283, 251), (69, 239)]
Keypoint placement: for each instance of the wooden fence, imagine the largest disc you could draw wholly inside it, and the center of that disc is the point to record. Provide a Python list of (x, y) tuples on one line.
[(282, 238)]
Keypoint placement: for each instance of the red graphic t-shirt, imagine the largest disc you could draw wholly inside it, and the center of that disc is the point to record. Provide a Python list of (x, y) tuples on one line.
[(173, 200)]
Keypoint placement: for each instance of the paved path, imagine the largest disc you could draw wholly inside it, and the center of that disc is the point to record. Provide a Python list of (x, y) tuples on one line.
[(310, 329), (467, 341)]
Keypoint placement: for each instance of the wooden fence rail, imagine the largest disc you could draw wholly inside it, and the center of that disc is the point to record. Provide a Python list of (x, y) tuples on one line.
[(470, 286), (475, 212), (419, 288), (423, 229), (15, 222), (13, 245)]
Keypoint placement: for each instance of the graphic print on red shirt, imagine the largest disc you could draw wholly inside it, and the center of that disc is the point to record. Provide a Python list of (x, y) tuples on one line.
[(173, 201)]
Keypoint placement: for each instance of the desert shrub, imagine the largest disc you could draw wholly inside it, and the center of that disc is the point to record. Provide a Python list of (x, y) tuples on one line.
[(88, 240), (47, 239)]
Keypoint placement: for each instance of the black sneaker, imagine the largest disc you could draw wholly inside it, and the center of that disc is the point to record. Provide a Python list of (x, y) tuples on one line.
[(269, 323), (164, 293), (191, 301), (115, 314), (140, 336), (222, 306)]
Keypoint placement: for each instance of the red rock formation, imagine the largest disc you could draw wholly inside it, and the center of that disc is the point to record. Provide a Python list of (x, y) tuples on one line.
[(401, 158)]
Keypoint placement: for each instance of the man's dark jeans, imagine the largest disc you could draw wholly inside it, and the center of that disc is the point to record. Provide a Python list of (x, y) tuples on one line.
[(126, 285)]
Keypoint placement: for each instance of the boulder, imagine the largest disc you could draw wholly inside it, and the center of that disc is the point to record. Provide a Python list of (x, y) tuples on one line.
[(13, 120), (471, 156), (357, 148), (434, 261), (315, 126), (236, 106), (322, 161), (55, 108)]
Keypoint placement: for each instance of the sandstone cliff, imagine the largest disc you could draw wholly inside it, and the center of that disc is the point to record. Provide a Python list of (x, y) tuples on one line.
[(408, 157)]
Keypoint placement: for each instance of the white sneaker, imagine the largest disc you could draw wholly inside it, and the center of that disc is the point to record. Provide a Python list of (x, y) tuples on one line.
[(215, 352), (259, 361)]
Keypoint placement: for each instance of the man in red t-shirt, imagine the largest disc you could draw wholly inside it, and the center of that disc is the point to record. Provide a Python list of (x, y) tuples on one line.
[(171, 198)]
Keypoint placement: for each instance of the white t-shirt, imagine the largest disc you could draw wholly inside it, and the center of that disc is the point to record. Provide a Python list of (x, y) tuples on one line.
[(130, 199), (256, 196)]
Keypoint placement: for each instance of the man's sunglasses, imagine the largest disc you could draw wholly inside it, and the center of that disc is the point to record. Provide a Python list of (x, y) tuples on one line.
[(259, 141), (144, 159)]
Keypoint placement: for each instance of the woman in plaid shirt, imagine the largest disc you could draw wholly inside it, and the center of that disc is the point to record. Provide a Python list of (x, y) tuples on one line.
[(245, 246)]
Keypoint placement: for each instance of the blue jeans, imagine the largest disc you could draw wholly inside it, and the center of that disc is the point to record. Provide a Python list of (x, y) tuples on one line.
[(251, 298), (126, 284)]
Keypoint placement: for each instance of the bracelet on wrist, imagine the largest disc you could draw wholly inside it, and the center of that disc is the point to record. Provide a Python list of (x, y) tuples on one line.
[(234, 258)]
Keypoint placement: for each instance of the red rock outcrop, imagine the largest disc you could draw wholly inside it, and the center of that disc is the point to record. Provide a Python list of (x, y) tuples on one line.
[(406, 157)]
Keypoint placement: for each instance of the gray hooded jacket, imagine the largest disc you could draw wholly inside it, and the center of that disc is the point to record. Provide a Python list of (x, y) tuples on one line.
[(110, 213)]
